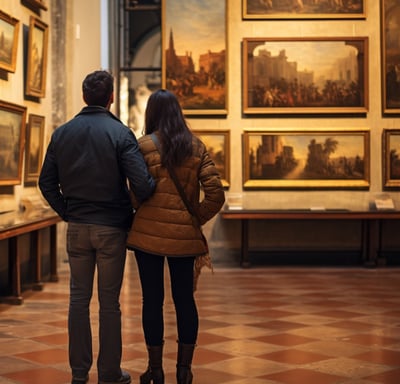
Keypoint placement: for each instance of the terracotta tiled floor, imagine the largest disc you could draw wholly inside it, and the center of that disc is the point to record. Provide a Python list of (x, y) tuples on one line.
[(272, 325)]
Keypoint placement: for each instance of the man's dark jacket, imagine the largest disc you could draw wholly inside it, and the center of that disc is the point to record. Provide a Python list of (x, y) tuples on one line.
[(86, 167)]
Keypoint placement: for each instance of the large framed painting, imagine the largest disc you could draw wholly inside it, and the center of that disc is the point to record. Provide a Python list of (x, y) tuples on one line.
[(34, 147), (304, 9), (390, 46), (12, 133), (391, 158), (218, 144), (195, 54), (9, 30), (320, 75), (37, 58), (306, 159)]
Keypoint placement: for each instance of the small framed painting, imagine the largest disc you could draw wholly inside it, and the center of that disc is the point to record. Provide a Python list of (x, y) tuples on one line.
[(37, 58), (218, 144), (391, 158), (12, 133), (9, 29), (34, 147)]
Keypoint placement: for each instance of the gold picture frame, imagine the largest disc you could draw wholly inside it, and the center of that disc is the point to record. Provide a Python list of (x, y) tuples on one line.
[(315, 75), (390, 52), (218, 146), (306, 159), (289, 10), (34, 147), (12, 133), (9, 30), (194, 54), (391, 159), (37, 58), (35, 5)]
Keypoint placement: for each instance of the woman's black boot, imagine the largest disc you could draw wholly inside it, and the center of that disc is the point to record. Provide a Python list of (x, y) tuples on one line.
[(184, 373), (154, 373)]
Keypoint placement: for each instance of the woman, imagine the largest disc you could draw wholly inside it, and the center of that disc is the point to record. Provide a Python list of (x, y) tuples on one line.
[(164, 229)]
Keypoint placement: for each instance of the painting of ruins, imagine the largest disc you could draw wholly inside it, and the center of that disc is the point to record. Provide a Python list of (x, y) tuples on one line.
[(390, 56), (12, 133), (217, 143), (306, 159), (305, 75), (391, 158), (304, 9), (194, 55)]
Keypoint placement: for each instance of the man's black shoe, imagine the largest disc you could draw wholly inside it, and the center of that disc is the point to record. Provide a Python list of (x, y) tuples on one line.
[(124, 379), (80, 380)]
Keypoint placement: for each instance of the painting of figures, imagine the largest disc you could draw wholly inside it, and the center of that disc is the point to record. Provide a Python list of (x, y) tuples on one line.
[(305, 75), (390, 56), (194, 54), (37, 58), (303, 9)]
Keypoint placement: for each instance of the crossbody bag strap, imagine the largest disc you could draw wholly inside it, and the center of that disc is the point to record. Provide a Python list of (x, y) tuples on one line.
[(175, 180)]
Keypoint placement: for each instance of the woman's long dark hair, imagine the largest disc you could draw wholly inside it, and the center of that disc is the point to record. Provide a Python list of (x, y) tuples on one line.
[(164, 114)]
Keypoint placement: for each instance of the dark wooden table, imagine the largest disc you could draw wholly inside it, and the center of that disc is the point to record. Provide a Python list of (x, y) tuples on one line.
[(17, 224), (371, 222)]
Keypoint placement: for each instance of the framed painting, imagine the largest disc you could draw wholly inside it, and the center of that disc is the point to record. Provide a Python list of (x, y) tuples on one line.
[(306, 159), (9, 29), (303, 9), (34, 147), (305, 75), (194, 59), (12, 133), (391, 158), (218, 144), (390, 46), (37, 58), (34, 5)]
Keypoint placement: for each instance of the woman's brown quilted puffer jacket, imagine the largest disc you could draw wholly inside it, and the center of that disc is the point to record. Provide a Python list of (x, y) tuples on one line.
[(162, 224)]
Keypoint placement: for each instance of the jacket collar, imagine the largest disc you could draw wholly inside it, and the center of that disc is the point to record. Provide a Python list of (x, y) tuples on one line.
[(91, 109)]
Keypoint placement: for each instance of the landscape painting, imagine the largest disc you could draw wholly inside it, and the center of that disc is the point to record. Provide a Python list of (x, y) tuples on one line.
[(12, 133), (317, 160), (391, 158), (194, 54), (9, 29), (304, 9), (305, 75)]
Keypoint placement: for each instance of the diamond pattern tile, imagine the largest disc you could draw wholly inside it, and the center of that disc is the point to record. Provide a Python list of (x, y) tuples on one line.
[(262, 325)]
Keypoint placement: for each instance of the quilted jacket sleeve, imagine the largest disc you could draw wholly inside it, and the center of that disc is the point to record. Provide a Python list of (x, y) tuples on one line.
[(213, 191)]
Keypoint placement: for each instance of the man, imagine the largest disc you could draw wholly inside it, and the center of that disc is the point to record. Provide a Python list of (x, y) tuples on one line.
[(84, 179)]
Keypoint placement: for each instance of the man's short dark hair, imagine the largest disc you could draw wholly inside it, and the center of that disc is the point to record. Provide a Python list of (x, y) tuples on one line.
[(97, 88)]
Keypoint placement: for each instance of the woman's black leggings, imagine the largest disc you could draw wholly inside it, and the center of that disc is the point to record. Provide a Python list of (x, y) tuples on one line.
[(151, 272)]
